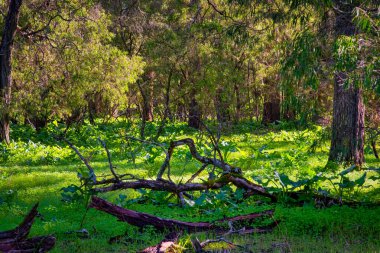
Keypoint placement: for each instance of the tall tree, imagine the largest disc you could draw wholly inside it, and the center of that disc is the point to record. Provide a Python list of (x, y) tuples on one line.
[(6, 48), (347, 142), (345, 41)]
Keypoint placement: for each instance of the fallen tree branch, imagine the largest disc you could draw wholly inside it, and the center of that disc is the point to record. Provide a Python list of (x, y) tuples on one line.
[(84, 160), (109, 160), (143, 219), (21, 231), (15, 240), (36, 244), (163, 185), (204, 160), (230, 174)]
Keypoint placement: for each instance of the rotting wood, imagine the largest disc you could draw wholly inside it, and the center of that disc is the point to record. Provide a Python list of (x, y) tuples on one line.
[(15, 240), (140, 219)]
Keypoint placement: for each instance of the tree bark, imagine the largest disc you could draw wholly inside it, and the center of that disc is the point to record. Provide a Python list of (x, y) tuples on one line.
[(6, 48), (222, 107), (147, 110), (271, 112), (144, 219), (347, 142), (194, 114), (15, 240), (239, 103), (373, 144)]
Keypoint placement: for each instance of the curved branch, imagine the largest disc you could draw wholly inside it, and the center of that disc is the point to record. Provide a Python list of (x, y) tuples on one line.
[(205, 160)]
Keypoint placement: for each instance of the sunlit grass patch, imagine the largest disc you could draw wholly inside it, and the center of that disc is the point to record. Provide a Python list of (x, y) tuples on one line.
[(258, 153)]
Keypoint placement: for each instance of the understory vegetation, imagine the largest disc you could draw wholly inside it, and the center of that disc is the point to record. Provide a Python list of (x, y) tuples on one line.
[(282, 157), (195, 126)]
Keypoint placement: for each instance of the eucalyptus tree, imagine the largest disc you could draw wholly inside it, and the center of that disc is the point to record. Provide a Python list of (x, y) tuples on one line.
[(347, 31)]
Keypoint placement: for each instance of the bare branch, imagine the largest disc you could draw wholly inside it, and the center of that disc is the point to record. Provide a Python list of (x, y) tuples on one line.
[(109, 160)]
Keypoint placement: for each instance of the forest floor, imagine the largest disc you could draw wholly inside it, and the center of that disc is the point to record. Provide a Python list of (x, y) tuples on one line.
[(36, 168)]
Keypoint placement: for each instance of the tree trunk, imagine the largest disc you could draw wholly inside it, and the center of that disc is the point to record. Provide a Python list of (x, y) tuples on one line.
[(238, 104), (194, 114), (221, 106), (6, 48), (373, 144), (347, 142), (271, 112), (147, 110)]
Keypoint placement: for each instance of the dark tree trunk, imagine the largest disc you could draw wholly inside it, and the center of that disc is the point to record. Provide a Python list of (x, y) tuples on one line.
[(289, 113), (6, 48), (147, 109), (238, 103), (373, 144), (167, 106), (347, 142), (194, 114), (271, 112), (222, 107), (97, 107), (147, 104), (39, 122)]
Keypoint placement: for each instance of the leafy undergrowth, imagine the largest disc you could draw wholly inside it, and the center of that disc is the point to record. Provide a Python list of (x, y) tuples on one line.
[(36, 168)]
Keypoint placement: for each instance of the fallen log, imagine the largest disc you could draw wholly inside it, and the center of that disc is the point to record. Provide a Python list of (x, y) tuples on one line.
[(140, 219), (22, 230), (38, 244), (15, 240)]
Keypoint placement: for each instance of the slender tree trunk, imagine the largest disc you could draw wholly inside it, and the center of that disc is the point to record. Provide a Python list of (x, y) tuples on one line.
[(238, 104), (167, 106), (221, 106), (6, 48), (194, 113), (347, 142), (147, 110), (373, 144)]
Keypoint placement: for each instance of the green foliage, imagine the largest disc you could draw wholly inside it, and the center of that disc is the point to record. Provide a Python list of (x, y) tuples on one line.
[(258, 150), (346, 53), (302, 61)]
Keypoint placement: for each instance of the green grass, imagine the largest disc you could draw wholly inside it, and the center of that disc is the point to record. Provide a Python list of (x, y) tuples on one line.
[(36, 168)]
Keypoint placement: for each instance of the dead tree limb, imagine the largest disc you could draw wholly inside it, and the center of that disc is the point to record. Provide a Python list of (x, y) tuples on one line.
[(35, 244), (22, 231), (84, 160), (143, 219), (230, 175), (109, 159), (164, 185), (15, 240), (193, 150)]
